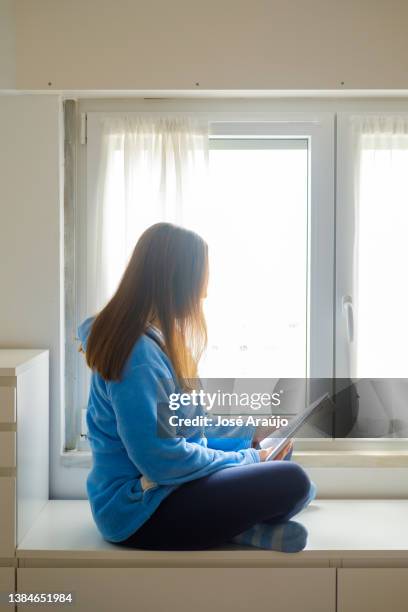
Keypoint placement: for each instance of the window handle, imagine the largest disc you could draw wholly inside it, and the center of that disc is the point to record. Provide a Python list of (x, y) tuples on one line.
[(349, 314)]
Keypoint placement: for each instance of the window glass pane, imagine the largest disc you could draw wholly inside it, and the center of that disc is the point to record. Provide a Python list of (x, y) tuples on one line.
[(255, 221)]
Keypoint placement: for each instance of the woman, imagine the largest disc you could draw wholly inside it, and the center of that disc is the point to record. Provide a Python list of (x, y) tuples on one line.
[(168, 492)]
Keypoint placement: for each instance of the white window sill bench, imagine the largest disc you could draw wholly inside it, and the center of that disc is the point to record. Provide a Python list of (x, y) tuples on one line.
[(341, 533)]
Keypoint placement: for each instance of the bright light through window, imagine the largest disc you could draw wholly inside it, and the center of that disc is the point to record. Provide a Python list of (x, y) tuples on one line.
[(255, 221), (382, 264)]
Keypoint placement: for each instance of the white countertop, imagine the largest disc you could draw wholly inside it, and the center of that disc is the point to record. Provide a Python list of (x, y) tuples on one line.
[(338, 529), (16, 361)]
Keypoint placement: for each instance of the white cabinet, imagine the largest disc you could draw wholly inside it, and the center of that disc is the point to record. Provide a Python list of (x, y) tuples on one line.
[(6, 586), (7, 400), (8, 386), (7, 449), (185, 589), (372, 590), (7, 516), (23, 451)]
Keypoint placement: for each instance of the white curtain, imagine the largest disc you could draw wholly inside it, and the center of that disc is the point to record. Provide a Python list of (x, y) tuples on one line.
[(151, 168), (380, 280), (381, 247)]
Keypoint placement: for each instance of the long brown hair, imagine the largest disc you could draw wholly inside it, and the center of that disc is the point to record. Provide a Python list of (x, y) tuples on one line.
[(164, 281)]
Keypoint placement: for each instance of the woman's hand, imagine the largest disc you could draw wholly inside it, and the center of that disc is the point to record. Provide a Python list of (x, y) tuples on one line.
[(265, 452)]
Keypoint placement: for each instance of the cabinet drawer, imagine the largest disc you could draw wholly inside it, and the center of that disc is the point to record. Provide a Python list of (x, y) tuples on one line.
[(7, 449), (7, 516), (372, 590), (6, 586), (185, 589), (7, 405)]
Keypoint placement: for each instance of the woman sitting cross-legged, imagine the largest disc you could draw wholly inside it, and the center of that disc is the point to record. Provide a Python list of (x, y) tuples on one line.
[(173, 492)]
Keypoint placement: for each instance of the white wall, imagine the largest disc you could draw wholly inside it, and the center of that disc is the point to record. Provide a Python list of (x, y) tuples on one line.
[(7, 44), (30, 248), (220, 44)]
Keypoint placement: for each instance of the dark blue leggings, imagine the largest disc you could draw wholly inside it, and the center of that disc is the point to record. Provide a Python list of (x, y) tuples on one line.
[(209, 511)]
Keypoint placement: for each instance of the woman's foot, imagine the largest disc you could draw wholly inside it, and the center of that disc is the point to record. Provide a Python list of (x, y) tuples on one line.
[(288, 536)]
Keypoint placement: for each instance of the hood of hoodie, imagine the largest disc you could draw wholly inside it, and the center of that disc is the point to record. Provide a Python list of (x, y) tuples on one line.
[(84, 330)]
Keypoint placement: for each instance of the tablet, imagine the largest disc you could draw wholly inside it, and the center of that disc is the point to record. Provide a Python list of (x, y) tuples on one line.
[(290, 429)]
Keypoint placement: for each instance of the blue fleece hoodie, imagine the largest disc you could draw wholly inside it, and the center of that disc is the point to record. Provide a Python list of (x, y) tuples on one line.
[(134, 468)]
